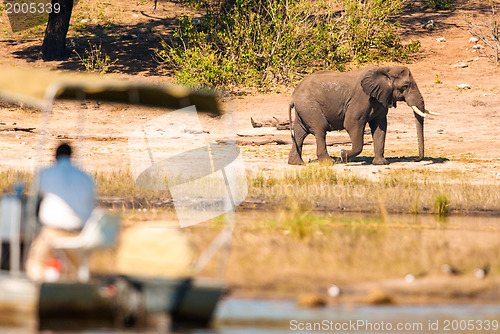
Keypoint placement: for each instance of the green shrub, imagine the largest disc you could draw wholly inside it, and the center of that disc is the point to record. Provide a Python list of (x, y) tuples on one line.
[(264, 42), (96, 59), (369, 32), (439, 4), (200, 65), (441, 205)]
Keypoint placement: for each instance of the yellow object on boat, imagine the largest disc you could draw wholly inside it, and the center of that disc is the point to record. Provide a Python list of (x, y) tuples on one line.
[(37, 88)]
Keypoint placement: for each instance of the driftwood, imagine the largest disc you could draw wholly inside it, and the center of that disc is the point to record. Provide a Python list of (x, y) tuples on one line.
[(282, 124), (14, 128), (270, 123), (258, 142), (279, 124)]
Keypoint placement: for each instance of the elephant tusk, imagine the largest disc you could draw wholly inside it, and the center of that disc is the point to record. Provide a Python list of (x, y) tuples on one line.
[(418, 112), (432, 113)]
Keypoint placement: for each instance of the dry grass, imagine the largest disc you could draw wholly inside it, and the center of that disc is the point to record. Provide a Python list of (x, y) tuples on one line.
[(296, 250), (120, 184), (293, 250), (320, 187), (10, 177), (408, 190)]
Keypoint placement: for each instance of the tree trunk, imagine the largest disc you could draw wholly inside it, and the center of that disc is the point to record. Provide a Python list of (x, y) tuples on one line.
[(54, 43)]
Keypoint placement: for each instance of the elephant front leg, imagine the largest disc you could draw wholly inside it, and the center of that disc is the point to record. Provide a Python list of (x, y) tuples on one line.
[(379, 129), (356, 134)]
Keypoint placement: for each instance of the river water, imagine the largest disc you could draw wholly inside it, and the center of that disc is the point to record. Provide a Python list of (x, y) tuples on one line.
[(250, 316), (242, 316)]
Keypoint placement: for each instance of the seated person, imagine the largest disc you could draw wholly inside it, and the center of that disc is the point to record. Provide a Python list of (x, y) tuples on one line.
[(67, 201)]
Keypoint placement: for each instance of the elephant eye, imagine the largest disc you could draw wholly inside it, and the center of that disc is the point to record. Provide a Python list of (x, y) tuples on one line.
[(405, 87)]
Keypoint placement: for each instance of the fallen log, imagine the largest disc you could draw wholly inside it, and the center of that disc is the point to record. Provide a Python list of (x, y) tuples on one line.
[(32, 130), (270, 123), (282, 124)]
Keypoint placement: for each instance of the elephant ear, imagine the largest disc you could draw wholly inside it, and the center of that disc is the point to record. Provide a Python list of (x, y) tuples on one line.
[(378, 84)]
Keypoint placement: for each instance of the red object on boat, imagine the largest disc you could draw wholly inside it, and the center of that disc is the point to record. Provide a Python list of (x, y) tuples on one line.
[(55, 263)]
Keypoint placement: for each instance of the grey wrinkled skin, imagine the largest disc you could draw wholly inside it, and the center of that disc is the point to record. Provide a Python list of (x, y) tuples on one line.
[(326, 101)]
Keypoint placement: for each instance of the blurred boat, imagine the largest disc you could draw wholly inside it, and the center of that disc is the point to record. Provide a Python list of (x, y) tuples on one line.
[(95, 301)]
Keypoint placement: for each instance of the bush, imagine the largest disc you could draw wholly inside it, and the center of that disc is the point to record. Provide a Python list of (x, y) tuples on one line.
[(96, 59), (370, 35), (264, 42), (200, 65), (441, 205), (439, 4)]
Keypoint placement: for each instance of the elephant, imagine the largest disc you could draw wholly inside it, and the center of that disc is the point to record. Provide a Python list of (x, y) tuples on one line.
[(328, 100)]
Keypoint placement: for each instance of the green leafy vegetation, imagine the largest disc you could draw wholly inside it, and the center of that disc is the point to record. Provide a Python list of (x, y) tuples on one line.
[(437, 81), (439, 4), (441, 205), (96, 59), (262, 43), (371, 34)]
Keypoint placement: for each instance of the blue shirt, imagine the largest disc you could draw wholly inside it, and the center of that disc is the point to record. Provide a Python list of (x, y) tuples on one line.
[(71, 185)]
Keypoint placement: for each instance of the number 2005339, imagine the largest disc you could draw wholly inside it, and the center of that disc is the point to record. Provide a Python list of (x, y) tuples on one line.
[(31, 8), (470, 325)]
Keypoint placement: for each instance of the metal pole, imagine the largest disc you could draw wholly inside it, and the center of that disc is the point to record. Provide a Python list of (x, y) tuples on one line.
[(229, 204), (15, 236), (31, 202), (80, 126)]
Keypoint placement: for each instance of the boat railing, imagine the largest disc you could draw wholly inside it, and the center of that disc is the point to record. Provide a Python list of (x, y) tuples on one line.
[(11, 230)]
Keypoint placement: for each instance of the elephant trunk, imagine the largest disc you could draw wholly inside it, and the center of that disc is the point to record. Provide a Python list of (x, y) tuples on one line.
[(415, 99), (419, 121)]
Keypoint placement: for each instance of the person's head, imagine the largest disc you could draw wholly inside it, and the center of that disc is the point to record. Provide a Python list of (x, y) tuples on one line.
[(64, 150)]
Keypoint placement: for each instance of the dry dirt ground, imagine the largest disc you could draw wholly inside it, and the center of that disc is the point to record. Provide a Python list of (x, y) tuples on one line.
[(464, 138)]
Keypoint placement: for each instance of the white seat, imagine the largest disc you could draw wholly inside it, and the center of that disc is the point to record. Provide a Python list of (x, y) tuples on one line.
[(99, 232)]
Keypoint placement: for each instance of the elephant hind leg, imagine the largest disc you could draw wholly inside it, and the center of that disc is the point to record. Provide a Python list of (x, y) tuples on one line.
[(356, 134), (300, 133)]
